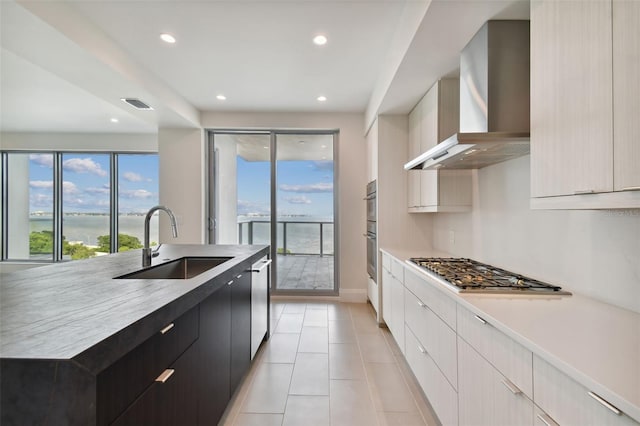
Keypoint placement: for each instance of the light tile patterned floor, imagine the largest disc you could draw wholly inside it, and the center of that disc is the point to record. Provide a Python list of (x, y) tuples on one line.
[(310, 272), (328, 363)]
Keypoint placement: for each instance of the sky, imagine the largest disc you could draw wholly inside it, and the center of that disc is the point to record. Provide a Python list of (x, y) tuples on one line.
[(303, 188), (86, 182)]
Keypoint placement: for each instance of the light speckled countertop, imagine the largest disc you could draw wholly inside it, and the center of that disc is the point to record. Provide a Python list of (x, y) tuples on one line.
[(595, 343), (76, 310)]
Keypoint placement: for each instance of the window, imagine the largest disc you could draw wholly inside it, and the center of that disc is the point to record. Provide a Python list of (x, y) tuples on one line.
[(58, 206)]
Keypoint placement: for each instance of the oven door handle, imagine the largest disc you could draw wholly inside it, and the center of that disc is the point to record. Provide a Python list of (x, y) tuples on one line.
[(370, 197)]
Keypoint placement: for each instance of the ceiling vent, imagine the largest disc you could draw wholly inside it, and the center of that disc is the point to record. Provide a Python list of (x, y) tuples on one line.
[(136, 103)]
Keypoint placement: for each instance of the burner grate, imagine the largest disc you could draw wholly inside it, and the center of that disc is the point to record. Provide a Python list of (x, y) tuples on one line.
[(467, 274)]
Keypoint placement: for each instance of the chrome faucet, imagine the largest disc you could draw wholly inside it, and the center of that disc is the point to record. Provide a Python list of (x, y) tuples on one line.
[(147, 253)]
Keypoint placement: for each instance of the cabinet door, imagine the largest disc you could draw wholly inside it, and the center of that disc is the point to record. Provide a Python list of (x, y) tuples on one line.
[(429, 139), (240, 328), (172, 399), (397, 312), (568, 402), (626, 94), (413, 176), (386, 296), (485, 396), (571, 97), (215, 354), (259, 303)]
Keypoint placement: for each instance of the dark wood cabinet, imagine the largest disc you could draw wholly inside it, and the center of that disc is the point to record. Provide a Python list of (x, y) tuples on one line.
[(171, 400), (240, 327), (215, 355)]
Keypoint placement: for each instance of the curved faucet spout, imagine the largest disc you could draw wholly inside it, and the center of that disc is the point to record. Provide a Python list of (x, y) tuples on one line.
[(146, 251)]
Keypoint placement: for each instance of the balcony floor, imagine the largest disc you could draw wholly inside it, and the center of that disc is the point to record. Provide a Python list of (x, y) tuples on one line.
[(305, 272)]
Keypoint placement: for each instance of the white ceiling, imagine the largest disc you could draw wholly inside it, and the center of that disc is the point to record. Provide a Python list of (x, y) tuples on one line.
[(65, 65)]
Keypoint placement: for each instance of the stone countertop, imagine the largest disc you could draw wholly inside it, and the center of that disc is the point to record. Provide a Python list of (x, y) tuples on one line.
[(594, 343), (78, 311)]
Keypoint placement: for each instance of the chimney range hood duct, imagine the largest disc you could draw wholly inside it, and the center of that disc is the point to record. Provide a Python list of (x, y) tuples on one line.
[(494, 101)]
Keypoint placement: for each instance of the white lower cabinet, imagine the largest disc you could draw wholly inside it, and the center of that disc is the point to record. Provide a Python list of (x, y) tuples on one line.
[(437, 338), (486, 397), (442, 396), (569, 403), (397, 311), (393, 298)]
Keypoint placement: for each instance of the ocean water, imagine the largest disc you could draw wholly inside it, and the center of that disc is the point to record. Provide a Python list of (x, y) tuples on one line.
[(87, 228), (302, 233)]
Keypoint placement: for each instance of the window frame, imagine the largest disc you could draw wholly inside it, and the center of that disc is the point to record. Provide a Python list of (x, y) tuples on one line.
[(57, 199)]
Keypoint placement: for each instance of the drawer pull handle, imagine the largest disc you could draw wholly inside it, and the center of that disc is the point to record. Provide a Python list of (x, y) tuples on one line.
[(422, 305), (548, 421), (631, 188), (230, 282), (166, 329), (584, 191), (480, 319), (165, 375), (512, 388), (265, 263), (421, 349), (239, 276), (604, 402)]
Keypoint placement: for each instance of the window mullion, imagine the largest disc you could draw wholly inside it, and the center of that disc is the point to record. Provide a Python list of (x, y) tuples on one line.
[(113, 216), (4, 180), (58, 186)]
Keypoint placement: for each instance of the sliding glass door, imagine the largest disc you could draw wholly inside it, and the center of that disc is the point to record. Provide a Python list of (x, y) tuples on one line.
[(253, 174)]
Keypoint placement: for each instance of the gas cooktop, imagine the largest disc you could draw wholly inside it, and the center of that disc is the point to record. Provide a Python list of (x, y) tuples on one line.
[(469, 276)]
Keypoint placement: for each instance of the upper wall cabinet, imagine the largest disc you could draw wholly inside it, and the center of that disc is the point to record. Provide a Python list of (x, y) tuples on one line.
[(435, 118), (585, 104)]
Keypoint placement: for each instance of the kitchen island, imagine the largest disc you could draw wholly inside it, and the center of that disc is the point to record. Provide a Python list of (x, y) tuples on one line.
[(76, 343)]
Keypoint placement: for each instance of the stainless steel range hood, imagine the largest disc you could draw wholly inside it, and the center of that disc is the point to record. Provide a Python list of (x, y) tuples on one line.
[(494, 101)]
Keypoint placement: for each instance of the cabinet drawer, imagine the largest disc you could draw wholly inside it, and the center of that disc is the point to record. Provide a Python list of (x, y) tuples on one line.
[(120, 384), (397, 269), (434, 335), (442, 396), (509, 357), (568, 402), (439, 303)]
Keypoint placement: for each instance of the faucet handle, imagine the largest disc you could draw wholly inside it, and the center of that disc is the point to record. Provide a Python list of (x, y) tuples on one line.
[(156, 252)]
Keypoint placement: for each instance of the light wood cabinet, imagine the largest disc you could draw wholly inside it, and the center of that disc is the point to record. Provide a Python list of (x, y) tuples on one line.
[(584, 139), (570, 403), (486, 397), (442, 396), (626, 94), (435, 118)]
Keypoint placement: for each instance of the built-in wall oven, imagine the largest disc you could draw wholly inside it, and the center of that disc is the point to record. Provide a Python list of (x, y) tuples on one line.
[(372, 246)]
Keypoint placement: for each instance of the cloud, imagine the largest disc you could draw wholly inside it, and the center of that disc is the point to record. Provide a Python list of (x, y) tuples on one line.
[(41, 200), (136, 193), (41, 184), (322, 165), (69, 188), (308, 189), (102, 190), (83, 165), (45, 160), (301, 199), (131, 177)]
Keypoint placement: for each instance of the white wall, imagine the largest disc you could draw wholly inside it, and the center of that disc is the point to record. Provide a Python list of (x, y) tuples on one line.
[(595, 253), (350, 184), (227, 203), (182, 184), (86, 142), (18, 216)]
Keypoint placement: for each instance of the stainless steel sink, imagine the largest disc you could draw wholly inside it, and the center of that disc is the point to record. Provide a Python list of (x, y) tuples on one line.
[(179, 269)]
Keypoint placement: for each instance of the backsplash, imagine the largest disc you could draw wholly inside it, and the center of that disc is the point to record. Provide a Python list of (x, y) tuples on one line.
[(594, 253)]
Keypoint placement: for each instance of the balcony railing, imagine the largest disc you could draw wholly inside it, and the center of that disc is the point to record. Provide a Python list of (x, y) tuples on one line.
[(294, 237)]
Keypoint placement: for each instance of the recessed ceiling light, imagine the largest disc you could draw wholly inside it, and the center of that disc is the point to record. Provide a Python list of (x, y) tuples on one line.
[(167, 38), (221, 97), (265, 147), (114, 120), (320, 40), (323, 146), (322, 98)]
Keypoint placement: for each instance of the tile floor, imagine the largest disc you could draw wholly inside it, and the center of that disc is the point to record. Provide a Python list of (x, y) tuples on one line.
[(328, 363)]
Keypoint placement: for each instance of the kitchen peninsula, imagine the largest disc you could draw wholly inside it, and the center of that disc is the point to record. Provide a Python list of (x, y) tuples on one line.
[(80, 347)]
